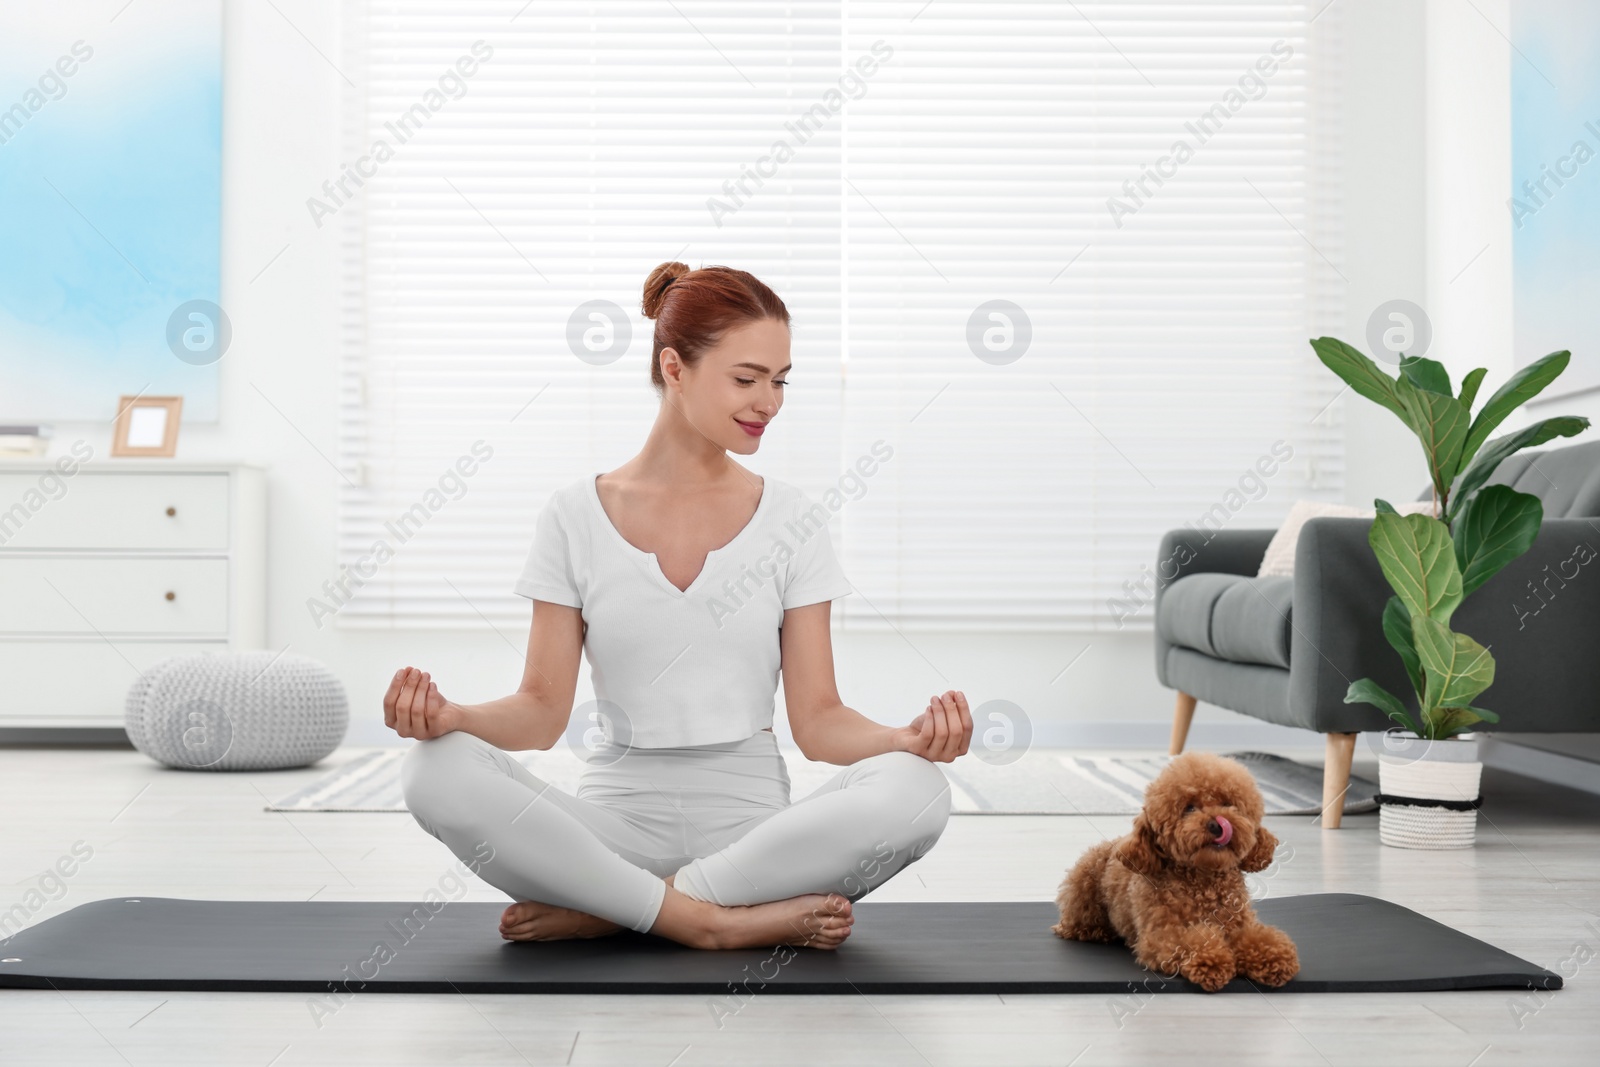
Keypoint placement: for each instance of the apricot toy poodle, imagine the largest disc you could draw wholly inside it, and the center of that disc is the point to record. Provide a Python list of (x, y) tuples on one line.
[(1173, 890)]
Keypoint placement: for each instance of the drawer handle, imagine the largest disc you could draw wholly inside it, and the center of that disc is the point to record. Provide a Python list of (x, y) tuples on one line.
[(171, 512), (171, 595)]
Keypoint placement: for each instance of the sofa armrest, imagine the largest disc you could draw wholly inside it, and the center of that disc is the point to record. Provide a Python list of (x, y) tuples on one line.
[(1189, 551), (1537, 617)]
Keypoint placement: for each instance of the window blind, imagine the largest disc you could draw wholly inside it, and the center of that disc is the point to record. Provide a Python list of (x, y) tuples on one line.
[(1031, 333)]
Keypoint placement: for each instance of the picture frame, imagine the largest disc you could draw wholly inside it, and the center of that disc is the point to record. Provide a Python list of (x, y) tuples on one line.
[(147, 426)]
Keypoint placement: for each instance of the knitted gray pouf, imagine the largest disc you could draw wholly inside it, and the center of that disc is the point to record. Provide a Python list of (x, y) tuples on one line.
[(237, 711)]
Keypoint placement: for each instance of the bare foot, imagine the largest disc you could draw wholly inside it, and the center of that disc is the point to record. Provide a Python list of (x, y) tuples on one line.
[(530, 920), (814, 920)]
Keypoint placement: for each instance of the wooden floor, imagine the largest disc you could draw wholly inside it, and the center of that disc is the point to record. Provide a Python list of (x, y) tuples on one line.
[(1531, 886)]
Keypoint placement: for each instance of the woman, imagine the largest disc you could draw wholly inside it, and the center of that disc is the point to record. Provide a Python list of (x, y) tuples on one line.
[(689, 580)]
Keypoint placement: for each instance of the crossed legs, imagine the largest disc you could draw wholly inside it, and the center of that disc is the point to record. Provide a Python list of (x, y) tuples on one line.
[(749, 874), (856, 831)]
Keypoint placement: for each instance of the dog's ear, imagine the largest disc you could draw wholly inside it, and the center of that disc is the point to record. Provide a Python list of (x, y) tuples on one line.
[(1260, 853), (1140, 852)]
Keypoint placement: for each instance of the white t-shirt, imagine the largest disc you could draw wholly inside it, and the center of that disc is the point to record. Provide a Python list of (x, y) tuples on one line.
[(684, 667)]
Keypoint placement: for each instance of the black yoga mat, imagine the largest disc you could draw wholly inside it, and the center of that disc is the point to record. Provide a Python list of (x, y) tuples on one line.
[(1347, 943)]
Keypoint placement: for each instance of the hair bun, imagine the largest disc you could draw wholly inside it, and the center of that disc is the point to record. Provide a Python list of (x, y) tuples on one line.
[(656, 286)]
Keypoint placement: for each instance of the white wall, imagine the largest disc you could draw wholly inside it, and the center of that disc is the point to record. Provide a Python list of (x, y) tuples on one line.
[(1468, 162), (1419, 200), (1385, 223)]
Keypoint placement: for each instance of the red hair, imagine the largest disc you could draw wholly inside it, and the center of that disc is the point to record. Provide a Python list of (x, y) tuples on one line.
[(692, 309)]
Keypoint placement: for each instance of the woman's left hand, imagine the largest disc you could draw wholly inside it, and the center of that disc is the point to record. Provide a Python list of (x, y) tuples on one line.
[(941, 733)]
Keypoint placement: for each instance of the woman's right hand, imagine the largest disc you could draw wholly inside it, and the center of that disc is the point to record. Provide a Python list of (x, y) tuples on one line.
[(413, 706)]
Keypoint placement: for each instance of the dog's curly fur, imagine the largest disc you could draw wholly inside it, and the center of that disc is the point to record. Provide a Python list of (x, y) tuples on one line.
[(1175, 896)]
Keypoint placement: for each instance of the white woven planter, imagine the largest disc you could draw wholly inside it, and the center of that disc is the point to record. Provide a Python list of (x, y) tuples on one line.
[(1433, 770)]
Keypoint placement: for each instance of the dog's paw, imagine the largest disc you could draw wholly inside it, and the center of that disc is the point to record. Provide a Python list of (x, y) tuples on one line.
[(1210, 970), (1207, 959), (1199, 953), (1265, 954), (1275, 972), (1273, 966)]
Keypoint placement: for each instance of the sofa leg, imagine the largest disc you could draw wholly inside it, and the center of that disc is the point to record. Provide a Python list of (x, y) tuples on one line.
[(1182, 716), (1336, 778)]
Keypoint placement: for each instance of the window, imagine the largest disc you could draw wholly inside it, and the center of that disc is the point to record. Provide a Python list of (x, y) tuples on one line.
[(1066, 333)]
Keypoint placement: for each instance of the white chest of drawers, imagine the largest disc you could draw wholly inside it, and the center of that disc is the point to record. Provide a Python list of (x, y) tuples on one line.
[(116, 566)]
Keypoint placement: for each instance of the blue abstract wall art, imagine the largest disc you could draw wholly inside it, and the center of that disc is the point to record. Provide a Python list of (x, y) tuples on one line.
[(1555, 188), (111, 186)]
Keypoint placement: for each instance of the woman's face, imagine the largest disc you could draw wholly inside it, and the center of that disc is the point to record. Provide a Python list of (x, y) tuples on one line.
[(737, 387)]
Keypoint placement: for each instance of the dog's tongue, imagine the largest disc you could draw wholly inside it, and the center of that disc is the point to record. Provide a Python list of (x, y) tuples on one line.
[(1227, 830)]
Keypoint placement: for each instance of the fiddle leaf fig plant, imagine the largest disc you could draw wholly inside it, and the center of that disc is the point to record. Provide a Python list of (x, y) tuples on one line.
[(1433, 562)]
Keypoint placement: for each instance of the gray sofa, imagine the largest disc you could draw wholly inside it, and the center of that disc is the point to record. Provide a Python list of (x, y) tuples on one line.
[(1285, 649)]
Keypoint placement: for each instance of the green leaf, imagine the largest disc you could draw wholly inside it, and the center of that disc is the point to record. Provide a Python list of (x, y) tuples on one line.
[(1501, 447), (1440, 421), (1397, 628), (1480, 714), (1419, 561), (1447, 722), (1360, 373), (1383, 506), (1469, 387), (1366, 691), (1457, 667), (1523, 385), (1426, 374), (1496, 526)]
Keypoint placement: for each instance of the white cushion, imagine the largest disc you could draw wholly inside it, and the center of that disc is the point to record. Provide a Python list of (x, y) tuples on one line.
[(1279, 559), (237, 711)]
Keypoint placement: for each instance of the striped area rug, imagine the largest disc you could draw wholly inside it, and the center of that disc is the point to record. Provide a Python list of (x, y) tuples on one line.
[(1042, 782)]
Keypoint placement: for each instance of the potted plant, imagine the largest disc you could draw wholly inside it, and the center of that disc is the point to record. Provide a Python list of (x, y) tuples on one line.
[(1429, 774)]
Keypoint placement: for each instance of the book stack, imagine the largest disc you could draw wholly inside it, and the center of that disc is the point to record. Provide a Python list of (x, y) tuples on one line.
[(24, 440)]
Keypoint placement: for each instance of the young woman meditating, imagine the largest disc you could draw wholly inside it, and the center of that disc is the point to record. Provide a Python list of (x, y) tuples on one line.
[(690, 581)]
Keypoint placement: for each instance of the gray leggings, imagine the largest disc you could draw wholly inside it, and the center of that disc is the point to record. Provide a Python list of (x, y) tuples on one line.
[(718, 816)]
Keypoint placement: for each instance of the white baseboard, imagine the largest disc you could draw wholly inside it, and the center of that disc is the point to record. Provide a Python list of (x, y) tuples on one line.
[(66, 736)]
